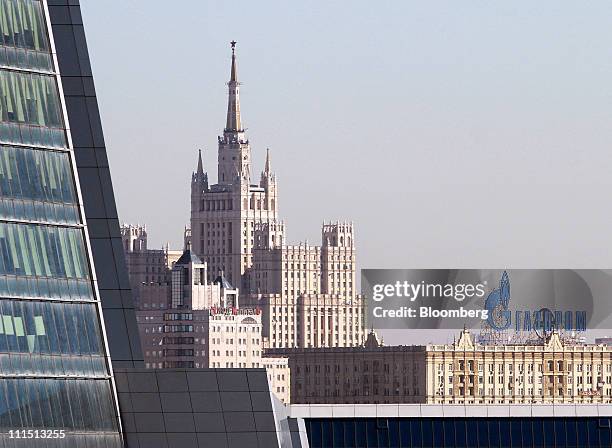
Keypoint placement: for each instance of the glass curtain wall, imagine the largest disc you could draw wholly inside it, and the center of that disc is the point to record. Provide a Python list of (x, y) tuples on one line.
[(469, 432), (54, 374)]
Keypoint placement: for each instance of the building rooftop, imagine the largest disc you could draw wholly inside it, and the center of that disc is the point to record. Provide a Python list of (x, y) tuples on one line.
[(223, 281), (188, 257), (448, 410)]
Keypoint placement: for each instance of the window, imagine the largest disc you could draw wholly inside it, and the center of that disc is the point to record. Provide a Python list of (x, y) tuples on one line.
[(178, 316), (77, 394), (44, 177), (48, 327), (24, 35), (30, 109), (178, 352), (178, 328), (43, 261)]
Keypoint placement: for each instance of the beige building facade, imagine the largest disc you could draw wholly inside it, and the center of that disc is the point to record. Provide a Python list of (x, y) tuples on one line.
[(145, 266), (224, 215), (310, 320), (308, 293), (216, 338), (235, 341), (552, 372), (460, 373), (309, 297)]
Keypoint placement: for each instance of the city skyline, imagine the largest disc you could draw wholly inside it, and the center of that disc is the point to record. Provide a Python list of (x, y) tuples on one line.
[(231, 339), (407, 119)]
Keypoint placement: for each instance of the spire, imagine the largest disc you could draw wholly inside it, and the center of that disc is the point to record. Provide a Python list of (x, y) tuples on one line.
[(233, 74), (234, 123), (199, 179), (200, 166), (267, 177), (268, 168)]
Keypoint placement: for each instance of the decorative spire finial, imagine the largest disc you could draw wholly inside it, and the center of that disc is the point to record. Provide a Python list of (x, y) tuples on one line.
[(268, 167), (233, 122), (200, 165)]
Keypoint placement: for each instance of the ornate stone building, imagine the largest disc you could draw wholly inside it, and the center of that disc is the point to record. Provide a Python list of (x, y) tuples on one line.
[(145, 266), (464, 372), (224, 215), (185, 321), (308, 294)]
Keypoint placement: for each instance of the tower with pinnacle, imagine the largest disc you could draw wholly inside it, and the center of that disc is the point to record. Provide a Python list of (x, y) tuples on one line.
[(224, 215), (307, 293)]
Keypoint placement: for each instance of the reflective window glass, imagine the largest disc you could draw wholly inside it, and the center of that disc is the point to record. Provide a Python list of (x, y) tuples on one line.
[(69, 404), (38, 261), (44, 251), (23, 35), (37, 185), (30, 109), (28, 326)]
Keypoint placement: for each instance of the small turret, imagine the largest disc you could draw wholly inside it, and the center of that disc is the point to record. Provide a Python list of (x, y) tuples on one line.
[(267, 176), (134, 238), (199, 179)]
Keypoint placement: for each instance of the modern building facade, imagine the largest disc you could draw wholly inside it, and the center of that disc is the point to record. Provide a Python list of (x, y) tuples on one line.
[(427, 425), (460, 373), (195, 408), (55, 369)]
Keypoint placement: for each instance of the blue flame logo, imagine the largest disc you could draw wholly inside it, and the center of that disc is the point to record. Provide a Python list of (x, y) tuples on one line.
[(497, 304)]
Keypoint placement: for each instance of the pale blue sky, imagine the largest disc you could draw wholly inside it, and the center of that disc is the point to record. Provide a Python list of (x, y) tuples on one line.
[(454, 134)]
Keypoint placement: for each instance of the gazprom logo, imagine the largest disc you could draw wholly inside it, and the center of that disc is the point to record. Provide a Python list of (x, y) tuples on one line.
[(500, 315)]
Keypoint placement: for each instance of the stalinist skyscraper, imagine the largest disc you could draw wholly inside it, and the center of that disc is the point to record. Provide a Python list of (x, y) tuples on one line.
[(224, 215), (307, 293)]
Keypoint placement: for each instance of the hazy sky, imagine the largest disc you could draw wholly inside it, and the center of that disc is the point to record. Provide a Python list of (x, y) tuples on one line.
[(454, 134)]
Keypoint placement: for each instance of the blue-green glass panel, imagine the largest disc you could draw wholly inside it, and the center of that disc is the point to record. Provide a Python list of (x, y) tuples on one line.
[(30, 111), (42, 251), (24, 41), (37, 185), (69, 404), (50, 328), (40, 261)]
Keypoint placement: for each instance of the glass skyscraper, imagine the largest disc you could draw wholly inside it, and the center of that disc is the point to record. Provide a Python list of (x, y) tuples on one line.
[(56, 387)]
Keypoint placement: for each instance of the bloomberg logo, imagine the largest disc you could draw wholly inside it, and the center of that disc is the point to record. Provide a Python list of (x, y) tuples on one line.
[(543, 320)]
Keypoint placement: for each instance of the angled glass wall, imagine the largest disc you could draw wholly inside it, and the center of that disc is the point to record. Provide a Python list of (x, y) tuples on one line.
[(55, 377)]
